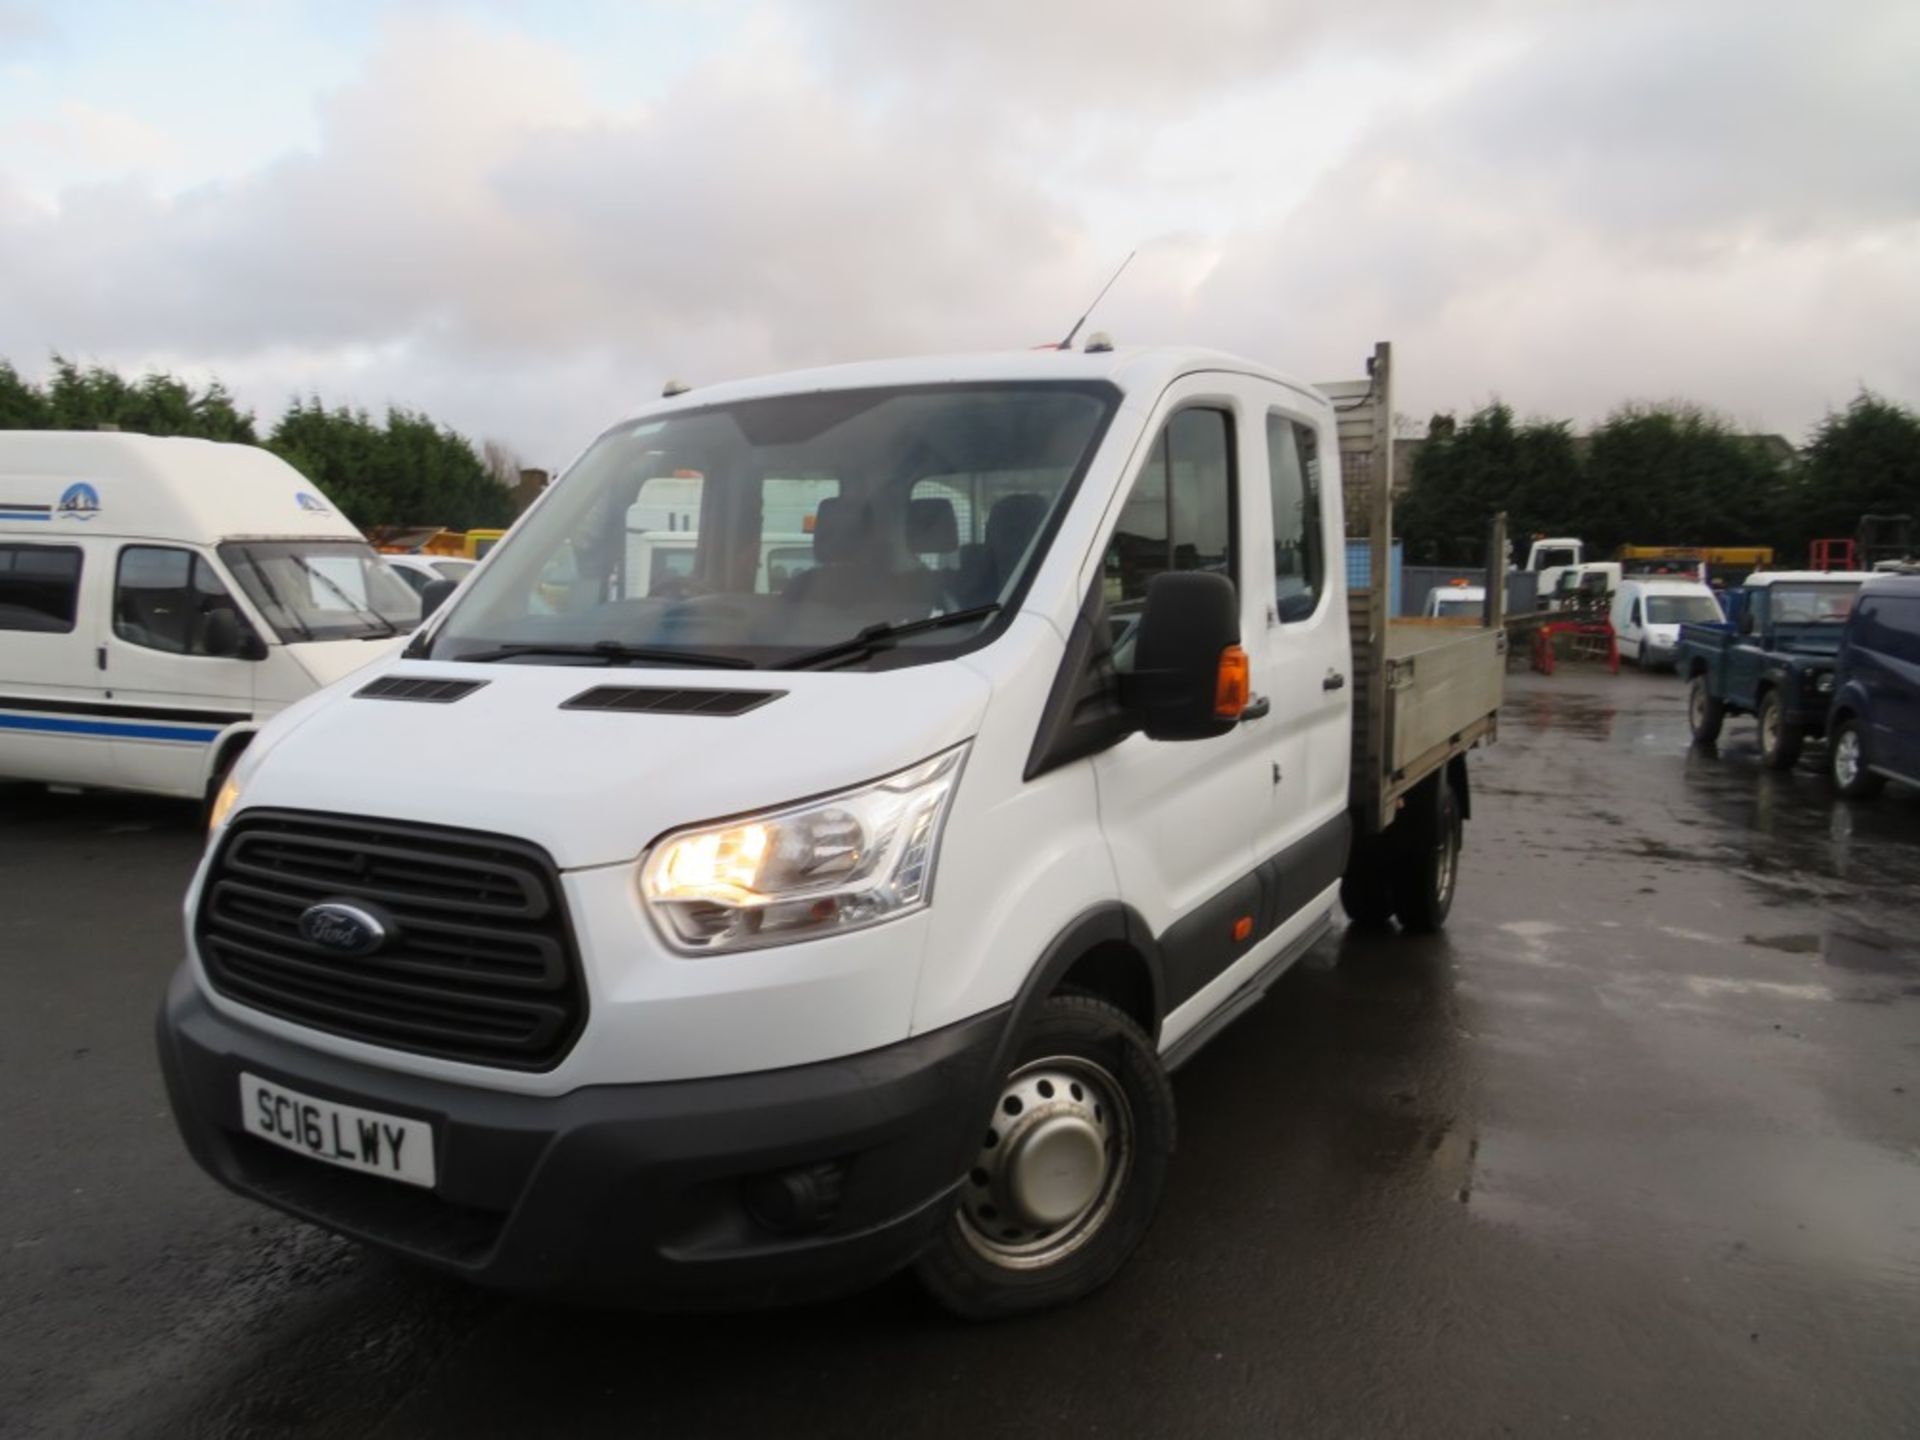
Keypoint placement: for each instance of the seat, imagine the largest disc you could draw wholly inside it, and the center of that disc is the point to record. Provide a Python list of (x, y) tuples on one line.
[(855, 569), (1011, 525)]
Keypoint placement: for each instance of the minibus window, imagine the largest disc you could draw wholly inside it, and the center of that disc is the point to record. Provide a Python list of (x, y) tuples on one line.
[(39, 587), (756, 531)]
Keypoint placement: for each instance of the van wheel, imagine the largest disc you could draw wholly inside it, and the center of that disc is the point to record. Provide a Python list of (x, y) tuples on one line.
[(1426, 865), (1847, 760), (1780, 742), (1069, 1170), (1366, 892), (1704, 713)]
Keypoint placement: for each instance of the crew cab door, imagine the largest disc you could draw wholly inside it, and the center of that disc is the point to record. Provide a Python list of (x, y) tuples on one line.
[(1180, 816), (1746, 654), (1301, 658)]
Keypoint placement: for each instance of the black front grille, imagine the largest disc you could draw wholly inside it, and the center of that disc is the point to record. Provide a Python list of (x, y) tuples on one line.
[(479, 964)]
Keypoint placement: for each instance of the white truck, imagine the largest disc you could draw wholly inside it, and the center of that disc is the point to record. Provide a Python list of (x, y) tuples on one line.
[(819, 932), (161, 597), (1549, 558)]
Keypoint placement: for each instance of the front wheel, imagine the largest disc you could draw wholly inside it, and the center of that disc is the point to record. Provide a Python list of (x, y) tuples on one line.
[(1069, 1169), (1780, 738), (1847, 760), (1705, 713), (1426, 865)]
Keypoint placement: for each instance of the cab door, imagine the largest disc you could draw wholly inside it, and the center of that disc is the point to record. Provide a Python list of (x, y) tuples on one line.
[(1301, 656), (173, 694), (1180, 816)]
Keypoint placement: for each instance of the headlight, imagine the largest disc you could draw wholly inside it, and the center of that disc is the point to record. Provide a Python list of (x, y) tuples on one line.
[(223, 802), (1824, 681), (838, 863)]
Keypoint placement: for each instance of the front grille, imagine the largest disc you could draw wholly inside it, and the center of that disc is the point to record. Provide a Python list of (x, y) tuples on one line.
[(479, 964)]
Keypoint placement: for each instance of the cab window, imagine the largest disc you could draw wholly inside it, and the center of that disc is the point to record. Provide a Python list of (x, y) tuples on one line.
[(39, 587), (1293, 479), (1178, 516), (162, 599)]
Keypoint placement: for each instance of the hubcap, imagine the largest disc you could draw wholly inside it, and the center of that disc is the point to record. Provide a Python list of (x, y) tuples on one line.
[(1051, 1164), (1846, 757)]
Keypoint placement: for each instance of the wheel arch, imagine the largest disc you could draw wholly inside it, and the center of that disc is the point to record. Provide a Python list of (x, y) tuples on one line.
[(1106, 951)]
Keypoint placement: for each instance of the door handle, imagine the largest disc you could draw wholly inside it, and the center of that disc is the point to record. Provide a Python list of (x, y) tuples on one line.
[(1334, 681), (1256, 708)]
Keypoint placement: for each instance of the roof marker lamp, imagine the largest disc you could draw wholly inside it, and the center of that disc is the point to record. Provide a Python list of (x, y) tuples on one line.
[(834, 864)]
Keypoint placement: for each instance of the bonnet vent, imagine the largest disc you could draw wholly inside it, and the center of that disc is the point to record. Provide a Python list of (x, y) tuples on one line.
[(661, 700), (415, 687)]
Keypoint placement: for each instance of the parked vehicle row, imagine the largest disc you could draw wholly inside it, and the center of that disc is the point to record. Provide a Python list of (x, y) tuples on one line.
[(1816, 655)]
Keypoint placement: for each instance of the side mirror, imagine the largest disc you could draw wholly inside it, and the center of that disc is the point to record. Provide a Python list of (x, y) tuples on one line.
[(224, 637), (1189, 679), (435, 595)]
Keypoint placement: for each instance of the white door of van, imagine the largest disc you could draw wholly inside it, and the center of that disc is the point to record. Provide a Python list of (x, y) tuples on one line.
[(51, 722), (1301, 657), (176, 697), (1179, 816)]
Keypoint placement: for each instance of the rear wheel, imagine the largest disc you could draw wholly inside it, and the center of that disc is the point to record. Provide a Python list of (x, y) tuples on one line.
[(1069, 1170), (1847, 761), (1366, 890), (1704, 713), (1426, 865), (1780, 739)]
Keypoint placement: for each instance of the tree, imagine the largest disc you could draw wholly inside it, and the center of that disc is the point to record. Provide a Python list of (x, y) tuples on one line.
[(156, 404), (22, 406), (1676, 475), (1863, 461), (408, 471), (1465, 471)]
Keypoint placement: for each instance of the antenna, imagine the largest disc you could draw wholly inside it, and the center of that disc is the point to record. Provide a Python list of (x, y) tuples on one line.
[(1064, 344)]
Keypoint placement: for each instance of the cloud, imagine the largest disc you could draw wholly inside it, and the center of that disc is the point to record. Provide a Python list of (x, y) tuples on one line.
[(22, 28), (1563, 205)]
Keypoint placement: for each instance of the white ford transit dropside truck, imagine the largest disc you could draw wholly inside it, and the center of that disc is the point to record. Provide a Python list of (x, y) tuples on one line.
[(700, 940), (160, 597)]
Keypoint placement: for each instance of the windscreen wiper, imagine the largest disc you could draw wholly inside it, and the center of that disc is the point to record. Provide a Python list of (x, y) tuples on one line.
[(608, 652), (362, 611), (273, 595), (883, 636)]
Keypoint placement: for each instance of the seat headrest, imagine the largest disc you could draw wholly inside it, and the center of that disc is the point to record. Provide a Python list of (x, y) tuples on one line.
[(932, 528), (1011, 526), (840, 530)]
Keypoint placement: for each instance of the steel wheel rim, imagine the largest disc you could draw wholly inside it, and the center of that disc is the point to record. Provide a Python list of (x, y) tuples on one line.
[(1445, 864), (1036, 1194), (1697, 704), (1846, 757), (1770, 729)]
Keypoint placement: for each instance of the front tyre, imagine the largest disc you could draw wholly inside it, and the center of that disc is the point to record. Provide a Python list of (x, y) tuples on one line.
[(1847, 761), (1780, 739), (1705, 713), (1069, 1170)]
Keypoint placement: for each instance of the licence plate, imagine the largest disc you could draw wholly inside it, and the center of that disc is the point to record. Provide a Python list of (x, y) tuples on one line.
[(366, 1140)]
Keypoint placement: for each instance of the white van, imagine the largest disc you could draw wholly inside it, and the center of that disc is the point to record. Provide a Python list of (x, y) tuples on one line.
[(161, 597), (815, 930), (1647, 616)]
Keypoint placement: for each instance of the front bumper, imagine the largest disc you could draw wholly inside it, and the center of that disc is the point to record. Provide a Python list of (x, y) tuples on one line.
[(634, 1194)]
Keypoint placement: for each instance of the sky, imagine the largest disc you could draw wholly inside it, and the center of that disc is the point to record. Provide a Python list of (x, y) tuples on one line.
[(522, 218)]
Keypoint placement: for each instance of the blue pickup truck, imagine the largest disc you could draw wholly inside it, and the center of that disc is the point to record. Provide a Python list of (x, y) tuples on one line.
[(1873, 731), (1774, 661)]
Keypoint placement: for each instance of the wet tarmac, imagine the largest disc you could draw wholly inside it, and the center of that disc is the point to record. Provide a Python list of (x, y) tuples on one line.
[(1633, 1149)]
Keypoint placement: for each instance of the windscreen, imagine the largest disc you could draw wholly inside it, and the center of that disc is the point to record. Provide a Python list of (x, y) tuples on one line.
[(1814, 603), (1683, 610), (755, 532), (322, 589)]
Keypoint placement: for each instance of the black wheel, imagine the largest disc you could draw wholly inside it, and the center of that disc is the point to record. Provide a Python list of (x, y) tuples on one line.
[(1426, 865), (1704, 713), (1847, 761), (1069, 1171), (1780, 739), (1366, 892)]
